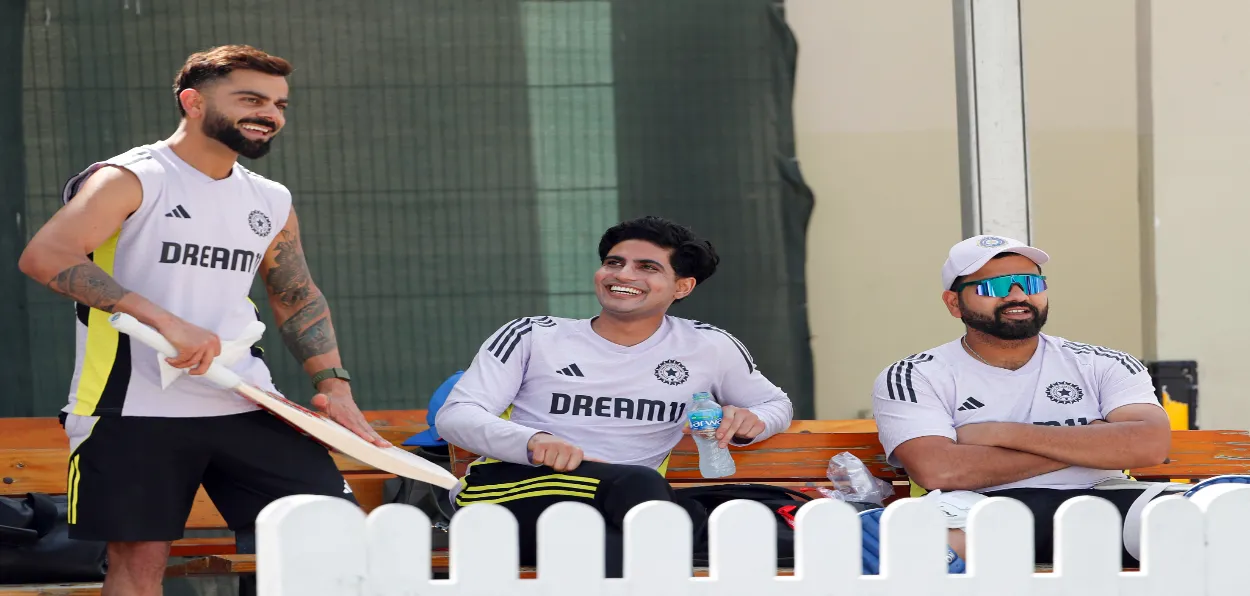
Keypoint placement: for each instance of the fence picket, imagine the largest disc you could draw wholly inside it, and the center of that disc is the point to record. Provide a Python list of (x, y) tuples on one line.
[(311, 545), (658, 542), (571, 549), (913, 548), (827, 543), (483, 550), (999, 548), (1172, 550), (398, 538), (1227, 509), (1087, 543), (742, 541)]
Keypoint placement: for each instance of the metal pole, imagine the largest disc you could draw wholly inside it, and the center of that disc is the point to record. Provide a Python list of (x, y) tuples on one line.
[(993, 147)]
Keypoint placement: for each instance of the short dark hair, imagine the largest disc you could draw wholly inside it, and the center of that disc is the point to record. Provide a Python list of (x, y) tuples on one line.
[(690, 255), (215, 63), (1007, 253)]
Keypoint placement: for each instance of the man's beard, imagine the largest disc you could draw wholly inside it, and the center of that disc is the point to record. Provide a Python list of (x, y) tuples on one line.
[(998, 327), (217, 126)]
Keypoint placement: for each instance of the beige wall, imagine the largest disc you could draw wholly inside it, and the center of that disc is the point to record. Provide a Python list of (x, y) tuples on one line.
[(876, 131), (1139, 136), (1081, 97), (1201, 148)]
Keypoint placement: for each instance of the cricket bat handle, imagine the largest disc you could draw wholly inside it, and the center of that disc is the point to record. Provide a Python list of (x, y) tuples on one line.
[(124, 323)]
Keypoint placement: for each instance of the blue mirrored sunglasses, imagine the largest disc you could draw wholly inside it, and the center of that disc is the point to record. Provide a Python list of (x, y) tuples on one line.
[(1000, 287)]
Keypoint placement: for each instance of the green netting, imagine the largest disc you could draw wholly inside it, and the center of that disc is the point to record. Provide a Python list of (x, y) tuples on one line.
[(453, 163)]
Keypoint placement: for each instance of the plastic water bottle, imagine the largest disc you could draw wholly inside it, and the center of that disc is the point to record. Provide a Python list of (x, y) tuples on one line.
[(705, 417)]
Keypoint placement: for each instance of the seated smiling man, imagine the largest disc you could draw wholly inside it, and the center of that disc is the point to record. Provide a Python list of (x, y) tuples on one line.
[(588, 410), (1008, 411)]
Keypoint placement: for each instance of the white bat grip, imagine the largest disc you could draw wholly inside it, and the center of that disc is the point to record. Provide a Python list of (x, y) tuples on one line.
[(218, 374)]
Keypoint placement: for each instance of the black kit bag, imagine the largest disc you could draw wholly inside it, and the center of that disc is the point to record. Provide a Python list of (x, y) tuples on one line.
[(35, 546), (700, 501), (433, 500)]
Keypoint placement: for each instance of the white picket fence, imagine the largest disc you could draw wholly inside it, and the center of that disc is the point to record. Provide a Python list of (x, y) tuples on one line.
[(309, 546)]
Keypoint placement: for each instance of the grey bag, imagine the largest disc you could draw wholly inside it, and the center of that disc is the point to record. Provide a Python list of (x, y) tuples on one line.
[(433, 500)]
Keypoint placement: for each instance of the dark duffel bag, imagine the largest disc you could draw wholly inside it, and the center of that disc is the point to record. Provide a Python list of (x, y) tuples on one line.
[(35, 546)]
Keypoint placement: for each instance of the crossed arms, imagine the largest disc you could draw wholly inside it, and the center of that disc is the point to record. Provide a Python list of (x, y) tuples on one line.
[(994, 453)]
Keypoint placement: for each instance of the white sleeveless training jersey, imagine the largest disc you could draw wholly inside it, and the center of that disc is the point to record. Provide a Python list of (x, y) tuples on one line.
[(193, 247), (620, 404), (1065, 383)]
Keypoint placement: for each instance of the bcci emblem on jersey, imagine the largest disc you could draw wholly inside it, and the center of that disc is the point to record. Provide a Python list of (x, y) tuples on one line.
[(672, 372), (1064, 392), (260, 223)]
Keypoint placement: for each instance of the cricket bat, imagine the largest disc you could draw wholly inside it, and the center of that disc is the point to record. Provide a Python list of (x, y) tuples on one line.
[(391, 459)]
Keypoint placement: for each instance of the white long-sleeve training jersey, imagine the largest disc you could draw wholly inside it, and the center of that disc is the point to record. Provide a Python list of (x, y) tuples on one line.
[(619, 404)]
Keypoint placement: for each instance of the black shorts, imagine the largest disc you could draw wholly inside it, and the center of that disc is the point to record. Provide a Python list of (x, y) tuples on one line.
[(1044, 502), (526, 491), (135, 478)]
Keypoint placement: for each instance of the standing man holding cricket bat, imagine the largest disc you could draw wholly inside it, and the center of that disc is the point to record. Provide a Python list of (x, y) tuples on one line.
[(173, 233)]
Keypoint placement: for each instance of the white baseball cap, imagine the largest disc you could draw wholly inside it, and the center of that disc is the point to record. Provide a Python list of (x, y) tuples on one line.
[(972, 254)]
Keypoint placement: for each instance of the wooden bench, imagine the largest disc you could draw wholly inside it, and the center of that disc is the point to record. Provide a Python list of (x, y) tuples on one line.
[(799, 457), (33, 456)]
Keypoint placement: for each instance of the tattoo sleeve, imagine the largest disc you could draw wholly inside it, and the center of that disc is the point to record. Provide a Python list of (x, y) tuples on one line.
[(307, 331), (89, 285)]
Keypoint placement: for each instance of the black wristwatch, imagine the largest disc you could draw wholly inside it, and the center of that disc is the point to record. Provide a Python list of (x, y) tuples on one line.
[(330, 373)]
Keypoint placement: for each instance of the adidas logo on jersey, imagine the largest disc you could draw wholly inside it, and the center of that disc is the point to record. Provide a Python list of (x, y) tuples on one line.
[(179, 212), (970, 404), (570, 371)]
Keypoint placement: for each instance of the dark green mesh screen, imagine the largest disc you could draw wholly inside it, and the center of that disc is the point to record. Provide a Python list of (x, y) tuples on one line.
[(452, 163)]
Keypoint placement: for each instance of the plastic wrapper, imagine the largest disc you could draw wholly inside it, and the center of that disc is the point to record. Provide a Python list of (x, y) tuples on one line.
[(852, 481)]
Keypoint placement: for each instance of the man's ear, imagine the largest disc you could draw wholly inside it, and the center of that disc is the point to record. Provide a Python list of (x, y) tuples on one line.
[(951, 300), (685, 285), (192, 102)]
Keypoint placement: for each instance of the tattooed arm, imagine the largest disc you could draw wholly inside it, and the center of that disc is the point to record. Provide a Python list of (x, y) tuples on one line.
[(303, 318), (57, 258), (299, 307)]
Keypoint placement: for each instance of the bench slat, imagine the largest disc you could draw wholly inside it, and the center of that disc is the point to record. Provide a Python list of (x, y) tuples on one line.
[(45, 432), (1202, 454), (33, 470), (214, 565), (84, 589), (439, 563), (200, 547), (865, 425), (788, 456), (803, 455), (44, 469), (32, 433)]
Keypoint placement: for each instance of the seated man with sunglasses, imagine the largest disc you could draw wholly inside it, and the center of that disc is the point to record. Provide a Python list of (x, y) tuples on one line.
[(1005, 410)]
